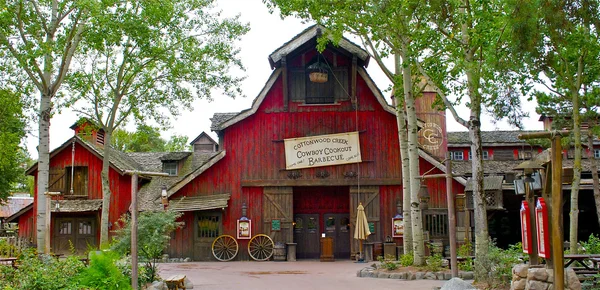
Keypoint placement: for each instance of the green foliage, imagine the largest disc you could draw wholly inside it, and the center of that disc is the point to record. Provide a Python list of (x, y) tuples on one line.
[(466, 252), (12, 156), (144, 274), (153, 232), (407, 259), (495, 269), (44, 272), (103, 272), (388, 263), (592, 245), (147, 139), (8, 250), (434, 262)]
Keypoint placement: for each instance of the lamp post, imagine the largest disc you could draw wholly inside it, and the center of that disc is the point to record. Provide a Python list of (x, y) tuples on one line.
[(528, 167)]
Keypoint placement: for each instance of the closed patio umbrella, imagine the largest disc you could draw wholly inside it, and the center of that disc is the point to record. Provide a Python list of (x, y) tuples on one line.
[(361, 232)]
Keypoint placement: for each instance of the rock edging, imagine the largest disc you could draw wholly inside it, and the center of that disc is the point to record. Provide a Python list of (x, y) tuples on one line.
[(370, 272)]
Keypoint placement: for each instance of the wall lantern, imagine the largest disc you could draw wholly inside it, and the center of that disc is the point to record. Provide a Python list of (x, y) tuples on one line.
[(163, 195), (424, 197), (317, 72)]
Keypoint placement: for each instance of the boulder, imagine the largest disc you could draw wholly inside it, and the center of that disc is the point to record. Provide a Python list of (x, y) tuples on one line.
[(536, 285), (457, 284), (521, 270), (518, 284), (188, 283), (538, 274), (157, 285)]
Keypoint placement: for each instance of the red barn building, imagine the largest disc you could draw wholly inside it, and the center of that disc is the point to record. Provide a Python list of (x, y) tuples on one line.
[(296, 164)]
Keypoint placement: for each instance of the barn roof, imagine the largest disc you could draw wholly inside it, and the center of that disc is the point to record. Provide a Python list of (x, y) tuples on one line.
[(311, 34), (118, 160), (14, 205), (488, 138), (76, 205), (489, 183)]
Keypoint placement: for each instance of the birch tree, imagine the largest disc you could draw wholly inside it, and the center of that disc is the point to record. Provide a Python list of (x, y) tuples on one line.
[(384, 28), (39, 39), (560, 41), (147, 60)]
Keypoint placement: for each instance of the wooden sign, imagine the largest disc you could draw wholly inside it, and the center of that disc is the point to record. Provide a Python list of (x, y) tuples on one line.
[(397, 227), (244, 228), (323, 150), (275, 225)]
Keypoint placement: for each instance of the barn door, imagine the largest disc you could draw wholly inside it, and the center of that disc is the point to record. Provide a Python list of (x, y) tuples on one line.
[(74, 233), (278, 213), (369, 196)]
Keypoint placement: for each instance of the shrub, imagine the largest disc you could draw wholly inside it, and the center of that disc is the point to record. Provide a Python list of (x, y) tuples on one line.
[(465, 251), (43, 272), (407, 259), (434, 262), (8, 250), (103, 272), (592, 245), (154, 230), (495, 269), (144, 274), (388, 263)]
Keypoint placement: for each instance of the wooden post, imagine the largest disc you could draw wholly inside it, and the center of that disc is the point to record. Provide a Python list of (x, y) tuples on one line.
[(134, 213), (451, 217), (557, 217), (533, 252)]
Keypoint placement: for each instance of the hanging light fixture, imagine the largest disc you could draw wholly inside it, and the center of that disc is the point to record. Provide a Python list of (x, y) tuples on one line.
[(318, 71)]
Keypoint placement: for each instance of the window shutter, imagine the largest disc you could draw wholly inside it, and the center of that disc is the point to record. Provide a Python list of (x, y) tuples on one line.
[(297, 85)]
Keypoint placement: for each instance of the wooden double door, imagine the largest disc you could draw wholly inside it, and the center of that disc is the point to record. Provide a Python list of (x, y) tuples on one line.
[(75, 233), (307, 232)]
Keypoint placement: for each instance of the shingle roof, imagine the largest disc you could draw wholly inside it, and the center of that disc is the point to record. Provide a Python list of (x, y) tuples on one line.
[(219, 118), (489, 166), (83, 205), (203, 202), (174, 156), (489, 183), (148, 161), (488, 137), (14, 205), (119, 159)]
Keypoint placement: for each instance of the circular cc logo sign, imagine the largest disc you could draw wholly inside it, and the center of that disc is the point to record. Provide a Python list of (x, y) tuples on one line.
[(432, 136)]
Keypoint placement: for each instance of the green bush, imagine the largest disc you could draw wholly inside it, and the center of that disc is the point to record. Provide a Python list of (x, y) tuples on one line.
[(154, 230), (592, 245), (388, 263), (407, 259), (144, 275), (434, 262), (8, 250), (43, 272), (495, 269), (103, 272), (465, 251)]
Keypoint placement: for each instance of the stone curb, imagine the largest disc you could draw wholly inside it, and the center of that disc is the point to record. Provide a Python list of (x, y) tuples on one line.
[(370, 272)]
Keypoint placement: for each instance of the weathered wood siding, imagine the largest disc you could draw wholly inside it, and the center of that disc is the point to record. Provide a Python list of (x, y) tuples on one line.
[(120, 184)]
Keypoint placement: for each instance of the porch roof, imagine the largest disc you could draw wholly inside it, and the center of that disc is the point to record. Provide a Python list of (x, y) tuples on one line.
[(76, 205), (203, 202)]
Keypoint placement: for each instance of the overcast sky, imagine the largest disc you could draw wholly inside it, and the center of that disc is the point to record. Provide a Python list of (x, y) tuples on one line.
[(267, 33)]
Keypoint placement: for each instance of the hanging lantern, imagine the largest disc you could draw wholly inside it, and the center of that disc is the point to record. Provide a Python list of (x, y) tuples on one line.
[(318, 71)]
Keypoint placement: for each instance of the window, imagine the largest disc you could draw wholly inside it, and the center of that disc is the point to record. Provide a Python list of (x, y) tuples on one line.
[(457, 155), (597, 153), (486, 155), (170, 167), (209, 226), (303, 90)]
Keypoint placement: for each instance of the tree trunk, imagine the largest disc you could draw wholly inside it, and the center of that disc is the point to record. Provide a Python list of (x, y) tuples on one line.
[(43, 170), (106, 193), (413, 147), (574, 214), (403, 138), (594, 169), (480, 207)]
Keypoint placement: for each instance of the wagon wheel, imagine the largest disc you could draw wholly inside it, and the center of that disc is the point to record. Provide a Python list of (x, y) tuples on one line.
[(224, 248), (261, 247)]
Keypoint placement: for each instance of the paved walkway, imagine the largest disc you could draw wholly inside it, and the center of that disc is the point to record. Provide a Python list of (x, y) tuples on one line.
[(301, 275)]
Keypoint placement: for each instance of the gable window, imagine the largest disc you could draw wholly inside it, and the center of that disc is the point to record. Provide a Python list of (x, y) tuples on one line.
[(457, 155), (597, 153), (330, 91), (170, 167)]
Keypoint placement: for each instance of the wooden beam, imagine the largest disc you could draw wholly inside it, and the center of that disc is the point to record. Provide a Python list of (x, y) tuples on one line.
[(353, 84), (322, 182), (284, 78)]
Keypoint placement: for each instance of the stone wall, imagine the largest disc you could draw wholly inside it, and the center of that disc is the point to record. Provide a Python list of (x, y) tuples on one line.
[(526, 278)]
